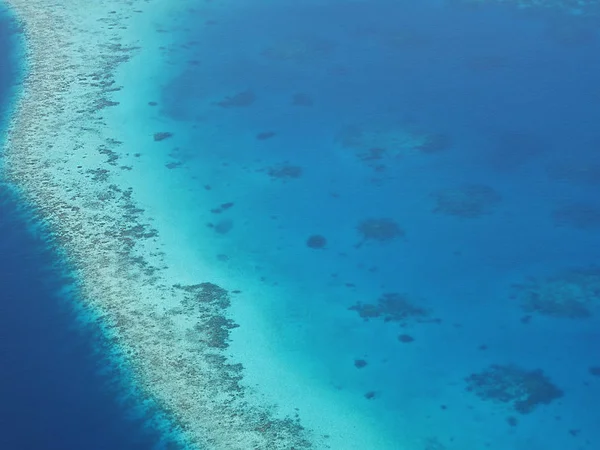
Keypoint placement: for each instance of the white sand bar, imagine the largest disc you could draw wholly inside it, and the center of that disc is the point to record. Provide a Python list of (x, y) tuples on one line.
[(65, 158)]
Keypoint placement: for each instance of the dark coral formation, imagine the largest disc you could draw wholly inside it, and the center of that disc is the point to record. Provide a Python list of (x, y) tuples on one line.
[(391, 307), (522, 389), (406, 338), (239, 100), (387, 142), (582, 172), (435, 143), (514, 149), (572, 294), (378, 230), (577, 8), (316, 241), (264, 135), (579, 215), (300, 50), (595, 371), (467, 201), (162, 135), (285, 172), (301, 99), (223, 207), (360, 363), (223, 226)]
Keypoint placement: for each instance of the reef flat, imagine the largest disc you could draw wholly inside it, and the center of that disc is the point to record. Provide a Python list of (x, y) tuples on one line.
[(61, 153)]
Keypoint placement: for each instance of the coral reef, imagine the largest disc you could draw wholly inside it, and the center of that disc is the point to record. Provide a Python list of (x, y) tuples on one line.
[(572, 294), (264, 135), (316, 241), (583, 172), (579, 8), (511, 150), (284, 172), (360, 363), (467, 201), (379, 230), (391, 307), (578, 215), (406, 338), (523, 389), (299, 50), (239, 100), (389, 141), (162, 135), (300, 99)]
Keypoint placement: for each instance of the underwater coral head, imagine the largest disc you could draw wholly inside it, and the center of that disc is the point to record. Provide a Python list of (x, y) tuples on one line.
[(571, 294), (379, 230), (522, 389)]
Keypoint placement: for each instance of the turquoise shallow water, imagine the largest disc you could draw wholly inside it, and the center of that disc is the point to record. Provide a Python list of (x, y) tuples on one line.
[(302, 117)]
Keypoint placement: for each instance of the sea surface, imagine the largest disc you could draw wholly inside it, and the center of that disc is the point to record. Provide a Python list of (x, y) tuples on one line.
[(57, 390), (414, 188), (403, 197)]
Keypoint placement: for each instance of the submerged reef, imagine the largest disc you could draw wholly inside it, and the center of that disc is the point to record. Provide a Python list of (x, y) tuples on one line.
[(378, 230), (391, 307), (572, 294), (406, 338), (162, 135), (239, 100), (299, 50), (300, 99), (284, 172), (513, 149), (378, 141), (582, 172), (572, 7), (578, 215), (316, 241), (468, 201), (522, 389)]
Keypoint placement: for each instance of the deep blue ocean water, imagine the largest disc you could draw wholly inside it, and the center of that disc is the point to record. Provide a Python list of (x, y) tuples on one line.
[(56, 389)]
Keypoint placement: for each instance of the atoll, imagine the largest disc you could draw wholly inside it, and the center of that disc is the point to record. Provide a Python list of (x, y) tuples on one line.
[(522, 389)]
